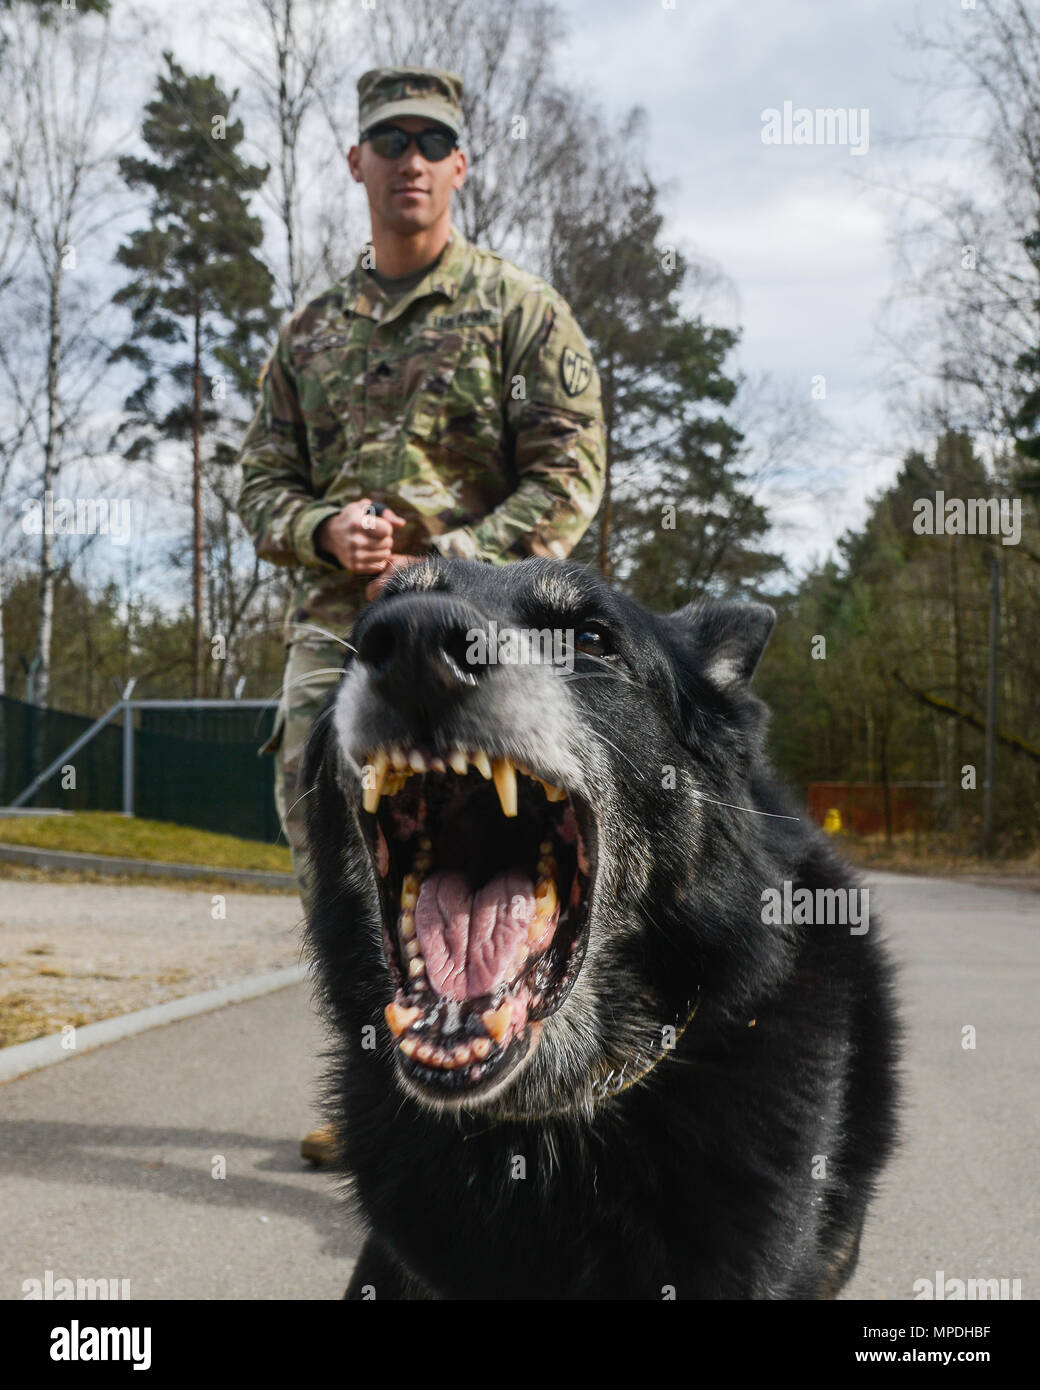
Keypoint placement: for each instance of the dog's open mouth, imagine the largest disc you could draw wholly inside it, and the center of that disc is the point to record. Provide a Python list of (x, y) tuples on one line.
[(485, 875)]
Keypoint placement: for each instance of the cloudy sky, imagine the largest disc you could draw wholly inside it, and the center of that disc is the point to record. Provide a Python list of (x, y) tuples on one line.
[(802, 231)]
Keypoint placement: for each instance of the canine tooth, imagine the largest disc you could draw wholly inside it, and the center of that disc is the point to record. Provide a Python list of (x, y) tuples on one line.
[(496, 1021), (417, 966), (480, 1047), (406, 926), (370, 798), (399, 1018), (408, 1046), (416, 761), (409, 891), (412, 949), (457, 762), (482, 763), (505, 785), (399, 758), (544, 899)]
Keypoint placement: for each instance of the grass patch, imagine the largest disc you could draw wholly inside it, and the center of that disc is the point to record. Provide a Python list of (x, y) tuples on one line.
[(104, 832), (23, 1019), (205, 883), (933, 855)]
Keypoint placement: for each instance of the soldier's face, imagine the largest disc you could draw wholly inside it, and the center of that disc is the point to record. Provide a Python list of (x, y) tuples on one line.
[(411, 193)]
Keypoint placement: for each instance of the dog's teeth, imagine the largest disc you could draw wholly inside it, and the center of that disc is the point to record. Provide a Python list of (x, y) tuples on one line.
[(547, 867), (425, 842), (496, 1021), (406, 926), (410, 892), (409, 1046), (544, 902), (399, 758), (553, 793), (457, 762), (416, 967), (412, 949), (482, 763), (462, 1055), (425, 1052), (417, 761), (421, 863), (505, 785), (438, 765), (399, 1018), (480, 1047), (370, 797), (545, 847)]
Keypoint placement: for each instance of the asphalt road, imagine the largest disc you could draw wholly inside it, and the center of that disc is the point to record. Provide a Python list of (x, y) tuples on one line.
[(107, 1159)]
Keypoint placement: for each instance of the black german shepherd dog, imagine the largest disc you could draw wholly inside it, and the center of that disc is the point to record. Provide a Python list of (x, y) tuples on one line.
[(577, 1056)]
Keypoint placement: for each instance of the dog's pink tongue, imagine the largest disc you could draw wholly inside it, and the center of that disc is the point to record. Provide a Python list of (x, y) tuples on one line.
[(473, 942)]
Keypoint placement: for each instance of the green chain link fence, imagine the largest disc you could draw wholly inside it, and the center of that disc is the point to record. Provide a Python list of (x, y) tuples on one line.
[(193, 767)]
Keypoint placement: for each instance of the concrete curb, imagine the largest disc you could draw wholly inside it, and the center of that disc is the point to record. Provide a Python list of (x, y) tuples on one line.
[(149, 868), (43, 1052)]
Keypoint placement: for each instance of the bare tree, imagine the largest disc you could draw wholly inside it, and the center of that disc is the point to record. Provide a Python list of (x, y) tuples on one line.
[(296, 62), (56, 186), (966, 307)]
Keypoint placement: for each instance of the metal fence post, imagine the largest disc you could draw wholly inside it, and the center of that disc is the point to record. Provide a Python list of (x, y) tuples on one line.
[(128, 758), (128, 748)]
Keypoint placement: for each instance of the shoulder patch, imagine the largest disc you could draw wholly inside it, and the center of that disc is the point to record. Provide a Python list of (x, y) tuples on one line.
[(575, 371)]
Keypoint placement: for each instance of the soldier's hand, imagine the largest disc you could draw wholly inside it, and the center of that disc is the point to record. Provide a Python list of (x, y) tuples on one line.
[(395, 562), (362, 543)]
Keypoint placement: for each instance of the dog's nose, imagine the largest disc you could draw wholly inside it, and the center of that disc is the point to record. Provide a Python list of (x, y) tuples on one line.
[(419, 651)]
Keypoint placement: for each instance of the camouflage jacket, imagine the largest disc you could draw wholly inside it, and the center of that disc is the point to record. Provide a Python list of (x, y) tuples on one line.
[(469, 404)]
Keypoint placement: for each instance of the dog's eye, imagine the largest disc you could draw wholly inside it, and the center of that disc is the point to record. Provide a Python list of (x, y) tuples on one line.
[(593, 641)]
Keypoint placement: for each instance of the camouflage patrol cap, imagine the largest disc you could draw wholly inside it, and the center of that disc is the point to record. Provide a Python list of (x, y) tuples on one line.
[(385, 93)]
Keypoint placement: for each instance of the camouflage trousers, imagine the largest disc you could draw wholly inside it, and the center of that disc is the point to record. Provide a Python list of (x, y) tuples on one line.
[(312, 669)]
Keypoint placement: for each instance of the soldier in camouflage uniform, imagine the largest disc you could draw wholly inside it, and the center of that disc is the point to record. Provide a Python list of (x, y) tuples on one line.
[(461, 395)]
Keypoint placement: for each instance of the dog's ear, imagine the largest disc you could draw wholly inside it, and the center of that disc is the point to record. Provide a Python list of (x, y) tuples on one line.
[(727, 639)]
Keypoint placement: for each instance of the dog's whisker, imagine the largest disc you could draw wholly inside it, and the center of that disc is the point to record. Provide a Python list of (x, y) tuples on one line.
[(305, 676), (750, 810), (324, 632)]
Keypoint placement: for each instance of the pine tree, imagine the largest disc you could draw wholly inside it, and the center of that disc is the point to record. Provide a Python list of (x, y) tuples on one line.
[(676, 517), (201, 300)]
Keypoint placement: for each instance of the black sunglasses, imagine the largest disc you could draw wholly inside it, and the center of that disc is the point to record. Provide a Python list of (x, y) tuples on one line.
[(390, 142)]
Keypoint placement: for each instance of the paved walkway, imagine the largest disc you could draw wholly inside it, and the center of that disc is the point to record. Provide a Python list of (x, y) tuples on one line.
[(107, 1163)]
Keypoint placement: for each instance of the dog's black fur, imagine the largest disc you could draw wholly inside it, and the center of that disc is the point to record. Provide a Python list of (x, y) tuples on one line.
[(741, 1162)]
